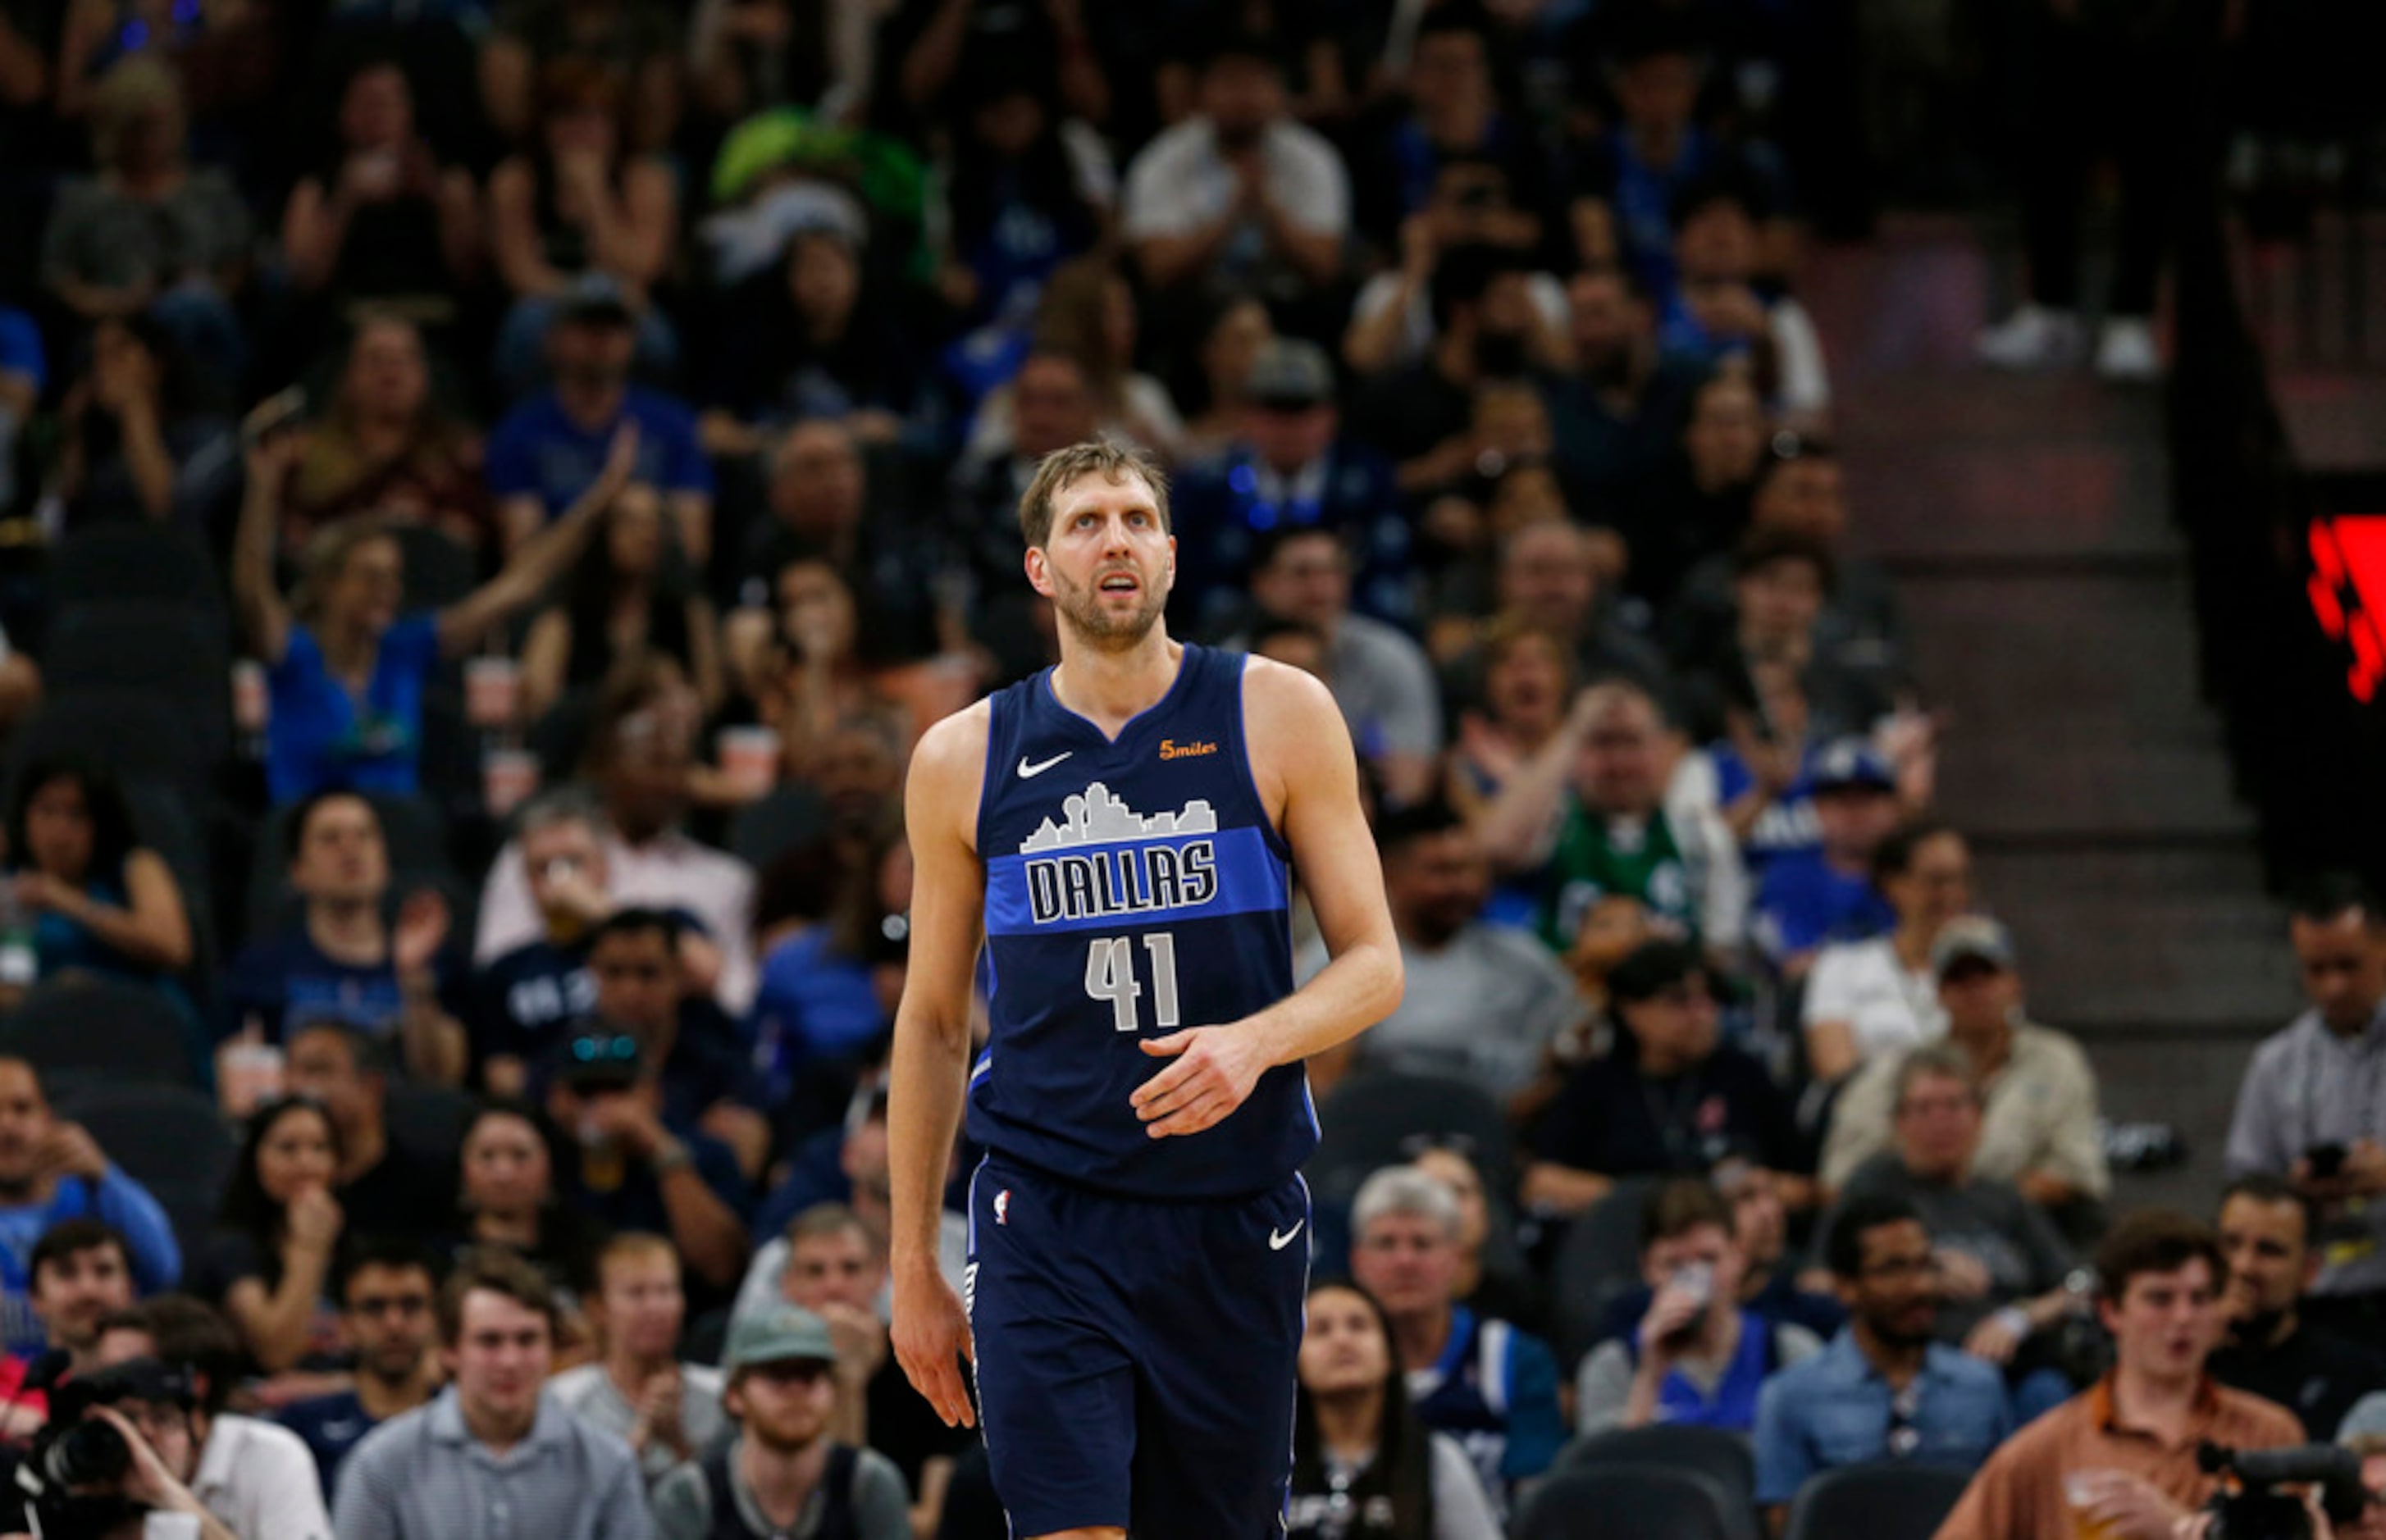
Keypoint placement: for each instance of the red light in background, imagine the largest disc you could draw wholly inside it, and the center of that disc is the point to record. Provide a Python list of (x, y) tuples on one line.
[(2347, 591)]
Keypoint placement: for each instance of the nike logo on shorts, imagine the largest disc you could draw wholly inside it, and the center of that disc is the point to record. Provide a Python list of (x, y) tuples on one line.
[(1277, 1241)]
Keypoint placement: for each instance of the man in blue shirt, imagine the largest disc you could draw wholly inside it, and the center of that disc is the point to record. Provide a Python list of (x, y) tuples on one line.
[(1883, 1389), (1826, 892), (549, 449), (52, 1171), (386, 1292)]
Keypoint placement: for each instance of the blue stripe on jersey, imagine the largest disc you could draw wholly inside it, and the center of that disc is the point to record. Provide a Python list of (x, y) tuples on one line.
[(1191, 877)]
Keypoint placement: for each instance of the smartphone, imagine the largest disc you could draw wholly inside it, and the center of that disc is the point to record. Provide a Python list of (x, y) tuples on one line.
[(274, 413), (2327, 1160)]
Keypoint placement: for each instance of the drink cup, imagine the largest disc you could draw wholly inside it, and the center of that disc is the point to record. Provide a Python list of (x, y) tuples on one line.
[(492, 691), (749, 758), (507, 777), (252, 1074), (252, 700)]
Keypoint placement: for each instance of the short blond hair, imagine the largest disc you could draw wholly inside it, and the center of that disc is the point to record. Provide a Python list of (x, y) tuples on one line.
[(1062, 468)]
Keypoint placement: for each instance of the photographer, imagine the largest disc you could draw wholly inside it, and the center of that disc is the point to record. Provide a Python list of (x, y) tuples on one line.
[(2120, 1457), (107, 1467)]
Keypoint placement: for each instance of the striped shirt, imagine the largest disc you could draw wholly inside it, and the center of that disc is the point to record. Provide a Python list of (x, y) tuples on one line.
[(423, 1476)]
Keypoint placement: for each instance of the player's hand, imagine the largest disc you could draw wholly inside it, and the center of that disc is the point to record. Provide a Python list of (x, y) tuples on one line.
[(1215, 1068), (931, 1332)]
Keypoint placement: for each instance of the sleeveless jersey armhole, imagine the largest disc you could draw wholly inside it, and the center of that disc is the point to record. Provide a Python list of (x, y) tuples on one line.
[(1269, 827)]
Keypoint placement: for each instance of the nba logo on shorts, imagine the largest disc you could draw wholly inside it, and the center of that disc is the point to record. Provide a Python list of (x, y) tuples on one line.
[(1002, 1207)]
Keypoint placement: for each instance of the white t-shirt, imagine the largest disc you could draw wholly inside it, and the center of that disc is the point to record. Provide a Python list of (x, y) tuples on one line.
[(1180, 183), (1885, 1004), (1416, 331)]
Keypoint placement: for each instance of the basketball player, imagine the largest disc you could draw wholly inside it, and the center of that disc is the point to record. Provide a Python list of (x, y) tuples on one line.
[(1119, 826)]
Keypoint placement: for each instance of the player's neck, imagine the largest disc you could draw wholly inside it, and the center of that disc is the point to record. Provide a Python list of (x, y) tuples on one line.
[(1109, 688)]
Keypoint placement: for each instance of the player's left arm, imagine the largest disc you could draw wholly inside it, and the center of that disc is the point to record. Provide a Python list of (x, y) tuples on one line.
[(1308, 774)]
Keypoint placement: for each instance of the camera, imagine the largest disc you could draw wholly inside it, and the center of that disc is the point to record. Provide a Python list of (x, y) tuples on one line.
[(2258, 1510), (71, 1479)]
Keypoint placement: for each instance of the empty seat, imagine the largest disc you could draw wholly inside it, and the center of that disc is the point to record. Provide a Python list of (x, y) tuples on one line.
[(169, 1138), (1889, 1499), (1723, 1457), (1625, 1502), (789, 818), (1378, 1118), (427, 1121), (1598, 1261), (133, 733), (133, 1032), (134, 563)]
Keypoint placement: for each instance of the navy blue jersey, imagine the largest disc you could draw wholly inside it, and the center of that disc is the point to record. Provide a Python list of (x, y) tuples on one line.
[(1132, 888)]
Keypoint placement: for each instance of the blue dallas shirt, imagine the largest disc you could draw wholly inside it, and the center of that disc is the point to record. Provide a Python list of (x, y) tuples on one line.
[(1132, 888), (114, 1199)]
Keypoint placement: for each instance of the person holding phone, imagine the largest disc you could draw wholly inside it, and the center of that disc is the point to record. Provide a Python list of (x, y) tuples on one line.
[(2313, 1105)]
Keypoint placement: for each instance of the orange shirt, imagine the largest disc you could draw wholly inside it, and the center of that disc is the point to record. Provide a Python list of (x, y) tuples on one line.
[(2018, 1494)]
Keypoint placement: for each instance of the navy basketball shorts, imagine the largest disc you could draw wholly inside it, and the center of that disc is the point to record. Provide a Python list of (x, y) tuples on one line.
[(1135, 1358)]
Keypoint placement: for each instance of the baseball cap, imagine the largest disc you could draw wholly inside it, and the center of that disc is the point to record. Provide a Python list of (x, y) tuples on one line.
[(777, 1335), (1290, 375), (1846, 762), (1971, 938), (594, 298)]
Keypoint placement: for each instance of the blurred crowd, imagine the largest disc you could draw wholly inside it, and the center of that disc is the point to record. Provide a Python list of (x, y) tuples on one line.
[(491, 492)]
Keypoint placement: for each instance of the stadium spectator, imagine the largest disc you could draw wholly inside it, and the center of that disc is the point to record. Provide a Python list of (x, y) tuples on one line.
[(1484, 326), (1666, 1097), (101, 902), (380, 218), (2268, 1237), (818, 334), (2305, 1111), (638, 1390), (1718, 315), (576, 213), (557, 447), (1378, 676), (2038, 1121), (1483, 1003), (1548, 574), (1492, 1388), (52, 1171), (140, 444), (493, 1437), (1771, 1287), (1493, 1279), (1529, 681), (1362, 1459), (786, 1465), (256, 1479), (630, 1171), (1238, 329), (640, 750), (526, 998), (387, 446), (1051, 407), (2122, 1455), (81, 1272), (400, 1191), (343, 962), (1469, 201), (1811, 896), (348, 671), (1883, 1388), (1088, 312), (1030, 190), (699, 1056), (150, 233), (623, 598), (2003, 1265), (1697, 1356), (510, 1199), (1690, 501), (634, 43), (270, 1262), (1867, 998), (1289, 468), (386, 1292), (1238, 195)]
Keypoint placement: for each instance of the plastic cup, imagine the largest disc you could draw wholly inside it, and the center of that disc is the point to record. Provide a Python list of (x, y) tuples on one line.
[(252, 1075), (507, 778), (252, 699), (749, 758), (492, 691)]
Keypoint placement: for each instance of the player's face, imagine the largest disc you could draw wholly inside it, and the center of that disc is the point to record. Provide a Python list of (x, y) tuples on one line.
[(1109, 563), (1409, 1261), (1343, 1348)]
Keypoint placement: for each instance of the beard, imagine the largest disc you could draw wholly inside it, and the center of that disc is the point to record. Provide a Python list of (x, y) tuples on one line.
[(1082, 611)]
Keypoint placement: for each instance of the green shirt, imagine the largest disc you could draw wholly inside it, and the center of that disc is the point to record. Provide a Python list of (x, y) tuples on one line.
[(1599, 857)]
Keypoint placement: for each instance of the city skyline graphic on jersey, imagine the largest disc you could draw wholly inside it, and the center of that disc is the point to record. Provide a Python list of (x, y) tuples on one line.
[(1096, 817)]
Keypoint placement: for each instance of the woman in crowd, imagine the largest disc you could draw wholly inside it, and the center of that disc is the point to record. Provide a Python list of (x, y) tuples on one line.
[(100, 902), (1237, 329), (1088, 313), (1880, 995), (380, 218), (270, 1264), (1028, 193), (577, 203), (811, 336), (806, 675), (508, 1196), (628, 595), (1363, 1464), (1527, 687), (387, 447), (347, 670), (140, 445)]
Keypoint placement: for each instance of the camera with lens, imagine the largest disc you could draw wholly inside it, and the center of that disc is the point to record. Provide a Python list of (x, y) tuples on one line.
[(2257, 1510), (71, 1480)]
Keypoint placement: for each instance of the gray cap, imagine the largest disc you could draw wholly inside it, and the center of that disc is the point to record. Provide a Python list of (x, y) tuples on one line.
[(1291, 374), (776, 1336), (1971, 938)]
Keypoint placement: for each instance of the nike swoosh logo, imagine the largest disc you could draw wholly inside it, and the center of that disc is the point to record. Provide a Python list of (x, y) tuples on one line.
[(1278, 1242), (1028, 771)]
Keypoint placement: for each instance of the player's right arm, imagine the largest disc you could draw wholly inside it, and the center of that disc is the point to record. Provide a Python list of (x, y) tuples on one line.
[(930, 1068)]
